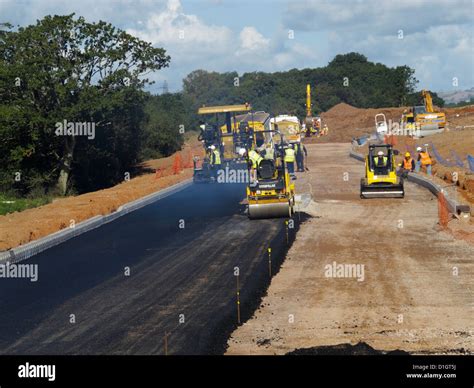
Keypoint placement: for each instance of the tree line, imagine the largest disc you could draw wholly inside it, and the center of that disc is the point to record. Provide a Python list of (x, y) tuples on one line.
[(348, 78)]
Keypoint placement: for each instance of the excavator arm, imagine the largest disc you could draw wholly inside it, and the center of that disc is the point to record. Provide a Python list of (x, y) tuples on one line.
[(428, 101)]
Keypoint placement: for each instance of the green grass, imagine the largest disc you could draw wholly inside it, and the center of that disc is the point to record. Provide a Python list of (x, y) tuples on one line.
[(10, 204)]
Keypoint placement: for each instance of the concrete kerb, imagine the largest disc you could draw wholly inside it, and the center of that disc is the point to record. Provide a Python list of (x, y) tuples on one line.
[(454, 207), (32, 248)]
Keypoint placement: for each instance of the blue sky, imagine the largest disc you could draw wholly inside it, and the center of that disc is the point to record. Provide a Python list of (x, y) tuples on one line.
[(435, 37)]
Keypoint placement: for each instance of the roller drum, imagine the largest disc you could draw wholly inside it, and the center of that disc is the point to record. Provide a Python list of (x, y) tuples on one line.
[(269, 210)]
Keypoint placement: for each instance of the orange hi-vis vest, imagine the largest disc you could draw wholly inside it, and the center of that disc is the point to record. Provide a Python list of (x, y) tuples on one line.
[(425, 158), (407, 163)]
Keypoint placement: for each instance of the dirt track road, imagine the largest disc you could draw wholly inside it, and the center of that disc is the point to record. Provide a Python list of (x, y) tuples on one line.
[(409, 297)]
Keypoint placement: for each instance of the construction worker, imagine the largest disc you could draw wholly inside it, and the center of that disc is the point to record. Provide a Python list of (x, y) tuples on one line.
[(215, 160), (290, 159), (380, 160), (301, 153), (215, 156), (269, 152), (407, 165), (254, 158), (424, 159)]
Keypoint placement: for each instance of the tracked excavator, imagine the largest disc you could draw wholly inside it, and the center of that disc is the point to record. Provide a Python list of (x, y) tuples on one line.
[(270, 193), (423, 119), (312, 123)]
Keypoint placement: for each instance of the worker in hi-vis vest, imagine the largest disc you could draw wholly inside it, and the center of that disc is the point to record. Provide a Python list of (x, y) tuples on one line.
[(380, 160), (290, 159), (215, 160), (254, 159), (269, 152), (301, 153), (424, 160), (407, 165)]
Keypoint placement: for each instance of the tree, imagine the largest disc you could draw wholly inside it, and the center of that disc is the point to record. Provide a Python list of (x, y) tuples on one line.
[(64, 68)]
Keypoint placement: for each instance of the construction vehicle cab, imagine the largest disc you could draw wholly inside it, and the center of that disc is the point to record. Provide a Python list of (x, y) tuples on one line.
[(270, 193), (227, 138), (381, 179), (288, 126)]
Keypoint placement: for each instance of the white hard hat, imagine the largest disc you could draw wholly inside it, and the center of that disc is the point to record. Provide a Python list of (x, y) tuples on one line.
[(419, 148), (213, 147), (242, 151), (380, 153)]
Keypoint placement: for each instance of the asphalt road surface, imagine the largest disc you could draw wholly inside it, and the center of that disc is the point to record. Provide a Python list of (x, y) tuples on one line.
[(181, 252)]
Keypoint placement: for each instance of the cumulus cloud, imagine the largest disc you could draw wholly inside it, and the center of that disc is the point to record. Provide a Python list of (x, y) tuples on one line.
[(436, 35), (252, 40), (172, 26)]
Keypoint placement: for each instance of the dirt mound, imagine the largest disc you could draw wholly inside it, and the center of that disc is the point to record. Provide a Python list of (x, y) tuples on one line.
[(342, 109), (458, 118), (359, 349), (346, 122)]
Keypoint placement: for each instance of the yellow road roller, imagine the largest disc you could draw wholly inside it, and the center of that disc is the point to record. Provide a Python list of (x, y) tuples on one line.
[(270, 193), (381, 179)]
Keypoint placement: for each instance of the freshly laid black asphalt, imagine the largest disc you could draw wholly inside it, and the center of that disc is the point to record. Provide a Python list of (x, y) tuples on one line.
[(181, 251)]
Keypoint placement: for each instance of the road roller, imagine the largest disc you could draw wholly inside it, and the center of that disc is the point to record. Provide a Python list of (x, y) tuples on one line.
[(270, 194), (381, 179)]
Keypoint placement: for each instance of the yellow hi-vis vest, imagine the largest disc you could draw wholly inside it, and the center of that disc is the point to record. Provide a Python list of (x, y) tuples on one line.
[(255, 158), (289, 155), (269, 154), (217, 157), (384, 161)]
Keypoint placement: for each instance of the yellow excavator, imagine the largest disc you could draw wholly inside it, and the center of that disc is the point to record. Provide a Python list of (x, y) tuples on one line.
[(312, 123), (270, 193), (423, 117)]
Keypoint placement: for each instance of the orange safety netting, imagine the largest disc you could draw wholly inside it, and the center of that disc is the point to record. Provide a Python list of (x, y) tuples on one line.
[(443, 212), (177, 163)]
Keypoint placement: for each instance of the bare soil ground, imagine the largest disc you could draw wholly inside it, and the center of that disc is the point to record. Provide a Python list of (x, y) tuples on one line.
[(417, 294), (21, 227), (346, 122)]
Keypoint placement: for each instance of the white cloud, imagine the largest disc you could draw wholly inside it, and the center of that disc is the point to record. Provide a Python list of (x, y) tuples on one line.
[(252, 40), (174, 29), (437, 34)]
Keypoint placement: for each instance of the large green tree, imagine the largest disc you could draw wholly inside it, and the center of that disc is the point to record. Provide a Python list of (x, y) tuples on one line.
[(65, 68)]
